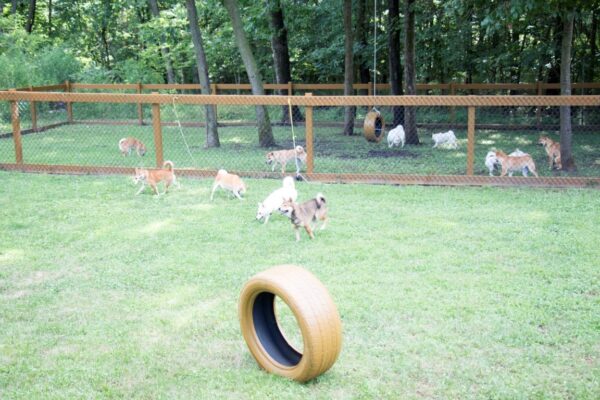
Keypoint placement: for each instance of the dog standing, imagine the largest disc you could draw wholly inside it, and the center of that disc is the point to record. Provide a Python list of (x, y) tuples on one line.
[(444, 137), (303, 215), (552, 151), (511, 164), (396, 137), (128, 144), (284, 156), (153, 177), (276, 199), (229, 182), (491, 162)]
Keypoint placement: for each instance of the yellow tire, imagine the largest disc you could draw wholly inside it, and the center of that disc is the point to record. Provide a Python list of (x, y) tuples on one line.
[(374, 126), (315, 312)]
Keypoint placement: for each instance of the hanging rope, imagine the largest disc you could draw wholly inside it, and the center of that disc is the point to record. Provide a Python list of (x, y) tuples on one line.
[(181, 132), (299, 176), (374, 49)]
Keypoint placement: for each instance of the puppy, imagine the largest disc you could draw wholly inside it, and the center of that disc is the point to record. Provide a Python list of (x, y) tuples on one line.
[(303, 215), (396, 136), (511, 164), (444, 137), (284, 156), (230, 182), (128, 144), (491, 162), (152, 177), (276, 198), (552, 151)]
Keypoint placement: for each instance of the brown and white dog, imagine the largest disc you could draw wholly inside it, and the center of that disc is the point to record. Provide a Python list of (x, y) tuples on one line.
[(228, 182), (552, 151), (153, 177), (511, 164), (303, 215), (284, 156), (128, 144)]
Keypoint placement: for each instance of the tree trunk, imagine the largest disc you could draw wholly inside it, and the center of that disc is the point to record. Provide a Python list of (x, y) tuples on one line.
[(362, 31), (281, 57), (30, 17), (13, 6), (164, 49), (410, 120), (265, 132), (348, 67), (212, 134), (49, 17), (395, 67), (566, 133)]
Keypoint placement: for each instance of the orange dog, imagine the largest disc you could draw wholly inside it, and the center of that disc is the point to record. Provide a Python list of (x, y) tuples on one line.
[(511, 164), (128, 144), (552, 150), (230, 182), (284, 156), (152, 177)]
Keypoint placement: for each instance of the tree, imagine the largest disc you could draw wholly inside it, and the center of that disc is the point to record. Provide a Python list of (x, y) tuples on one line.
[(212, 134), (281, 56), (410, 121), (164, 49), (265, 132), (566, 132), (30, 17), (395, 68), (348, 67)]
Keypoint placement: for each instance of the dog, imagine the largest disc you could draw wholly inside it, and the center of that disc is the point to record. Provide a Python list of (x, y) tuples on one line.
[(552, 151), (303, 215), (396, 137), (128, 144), (276, 199), (491, 162), (153, 177), (229, 182), (444, 138), (511, 164), (284, 156)]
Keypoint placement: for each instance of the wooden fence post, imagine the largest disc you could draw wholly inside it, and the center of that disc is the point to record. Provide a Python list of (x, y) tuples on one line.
[(16, 129), (158, 145), (452, 111), (470, 140), (33, 109), (69, 104), (309, 137), (140, 109)]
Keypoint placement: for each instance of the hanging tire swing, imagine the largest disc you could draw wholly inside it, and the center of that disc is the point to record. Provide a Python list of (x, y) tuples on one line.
[(374, 126), (315, 313)]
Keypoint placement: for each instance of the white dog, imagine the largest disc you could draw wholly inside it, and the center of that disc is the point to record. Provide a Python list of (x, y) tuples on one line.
[(492, 162), (276, 199), (444, 137), (396, 136)]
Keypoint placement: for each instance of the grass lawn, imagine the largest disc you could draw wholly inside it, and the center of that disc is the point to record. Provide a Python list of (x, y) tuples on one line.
[(443, 292)]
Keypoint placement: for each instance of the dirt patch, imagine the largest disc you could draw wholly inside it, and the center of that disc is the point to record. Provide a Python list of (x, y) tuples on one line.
[(391, 154)]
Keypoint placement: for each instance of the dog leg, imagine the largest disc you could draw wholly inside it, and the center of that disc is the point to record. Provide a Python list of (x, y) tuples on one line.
[(141, 189), (267, 218), (309, 231), (324, 223), (212, 193), (297, 233), (237, 194)]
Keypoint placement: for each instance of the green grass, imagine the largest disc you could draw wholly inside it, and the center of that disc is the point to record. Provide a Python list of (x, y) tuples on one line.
[(443, 292)]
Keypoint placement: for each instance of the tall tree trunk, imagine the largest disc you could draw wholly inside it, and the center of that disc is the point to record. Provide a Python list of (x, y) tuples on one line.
[(49, 17), (593, 48), (13, 6), (281, 57), (395, 67), (348, 67), (265, 132), (212, 134), (164, 49), (362, 31), (30, 17), (566, 132), (410, 119)]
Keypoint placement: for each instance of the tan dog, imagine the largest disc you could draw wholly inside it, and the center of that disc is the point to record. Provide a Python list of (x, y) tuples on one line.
[(284, 156), (128, 144), (230, 182), (552, 151), (511, 164), (303, 215), (153, 177)]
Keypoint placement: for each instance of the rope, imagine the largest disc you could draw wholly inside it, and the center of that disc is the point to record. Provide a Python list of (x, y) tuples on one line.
[(181, 132), (375, 49), (298, 175)]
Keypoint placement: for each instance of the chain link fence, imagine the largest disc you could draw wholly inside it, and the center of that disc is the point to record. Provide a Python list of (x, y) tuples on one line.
[(87, 134)]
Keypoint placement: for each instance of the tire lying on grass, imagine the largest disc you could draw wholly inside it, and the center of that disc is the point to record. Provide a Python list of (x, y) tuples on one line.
[(315, 312)]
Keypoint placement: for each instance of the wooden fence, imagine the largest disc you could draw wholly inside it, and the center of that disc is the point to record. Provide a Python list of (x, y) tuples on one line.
[(471, 103)]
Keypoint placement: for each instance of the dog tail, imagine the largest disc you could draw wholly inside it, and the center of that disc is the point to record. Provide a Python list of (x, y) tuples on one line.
[(320, 200), (168, 165), (299, 149)]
